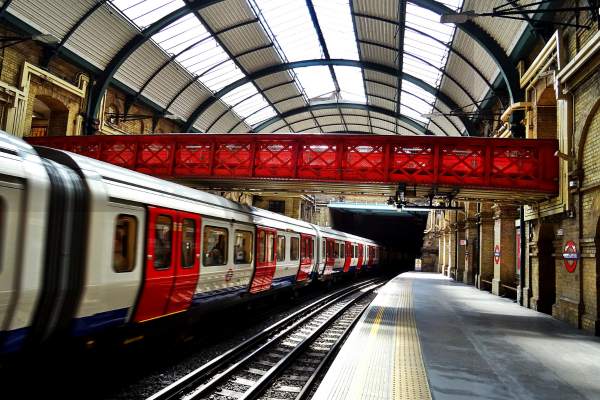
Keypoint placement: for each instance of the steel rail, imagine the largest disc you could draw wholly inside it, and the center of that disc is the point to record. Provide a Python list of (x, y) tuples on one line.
[(175, 390), (268, 378)]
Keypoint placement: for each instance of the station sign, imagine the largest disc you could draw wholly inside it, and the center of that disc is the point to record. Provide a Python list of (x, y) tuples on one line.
[(497, 254), (570, 256), (417, 264), (463, 242)]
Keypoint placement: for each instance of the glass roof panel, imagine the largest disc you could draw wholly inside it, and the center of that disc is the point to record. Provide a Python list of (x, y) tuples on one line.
[(315, 80), (336, 24), (351, 83), (145, 12), (291, 24)]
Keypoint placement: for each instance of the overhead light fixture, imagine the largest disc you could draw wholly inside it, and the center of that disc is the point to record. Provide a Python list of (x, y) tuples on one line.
[(458, 18), (431, 115), (564, 156), (46, 38)]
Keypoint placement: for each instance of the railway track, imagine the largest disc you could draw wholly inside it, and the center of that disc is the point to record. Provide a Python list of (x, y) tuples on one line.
[(283, 360)]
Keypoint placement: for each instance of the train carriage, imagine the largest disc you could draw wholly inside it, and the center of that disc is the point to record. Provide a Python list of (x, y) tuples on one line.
[(97, 247)]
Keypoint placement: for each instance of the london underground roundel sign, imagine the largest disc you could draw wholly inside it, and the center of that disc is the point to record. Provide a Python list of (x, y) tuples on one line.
[(570, 256), (497, 254)]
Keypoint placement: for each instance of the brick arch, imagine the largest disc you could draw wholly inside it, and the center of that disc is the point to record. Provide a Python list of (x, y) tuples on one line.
[(52, 103), (591, 115)]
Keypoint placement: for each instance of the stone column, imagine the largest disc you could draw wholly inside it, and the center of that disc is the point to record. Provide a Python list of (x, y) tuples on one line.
[(470, 235), (486, 244), (451, 217), (505, 236), (589, 248), (460, 259)]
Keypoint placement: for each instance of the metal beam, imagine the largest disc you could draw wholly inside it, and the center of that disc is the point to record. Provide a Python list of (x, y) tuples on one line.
[(355, 106), (448, 46), (101, 84), (346, 130), (360, 57), (418, 112), (488, 44), (309, 63), (4, 8), (50, 55), (369, 116), (443, 72), (315, 21), (400, 49)]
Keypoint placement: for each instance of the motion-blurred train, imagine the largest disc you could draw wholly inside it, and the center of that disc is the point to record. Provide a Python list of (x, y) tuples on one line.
[(88, 248)]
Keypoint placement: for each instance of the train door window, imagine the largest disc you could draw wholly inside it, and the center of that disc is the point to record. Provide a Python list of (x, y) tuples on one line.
[(215, 246), (306, 248), (323, 252), (312, 248), (280, 248), (125, 242), (342, 251), (188, 243), (262, 243), (271, 246), (163, 243), (336, 251), (330, 250), (295, 249), (243, 247)]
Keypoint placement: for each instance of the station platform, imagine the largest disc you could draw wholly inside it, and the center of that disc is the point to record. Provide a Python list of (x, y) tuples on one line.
[(428, 337)]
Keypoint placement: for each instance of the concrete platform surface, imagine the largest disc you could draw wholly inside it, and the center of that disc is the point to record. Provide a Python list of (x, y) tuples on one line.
[(472, 344)]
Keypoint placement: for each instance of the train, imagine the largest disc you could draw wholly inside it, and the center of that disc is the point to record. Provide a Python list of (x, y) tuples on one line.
[(89, 250)]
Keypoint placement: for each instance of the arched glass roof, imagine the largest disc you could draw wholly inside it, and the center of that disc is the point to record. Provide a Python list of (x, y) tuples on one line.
[(368, 66)]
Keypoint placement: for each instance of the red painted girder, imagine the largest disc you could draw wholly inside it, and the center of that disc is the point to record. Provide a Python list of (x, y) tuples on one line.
[(502, 164)]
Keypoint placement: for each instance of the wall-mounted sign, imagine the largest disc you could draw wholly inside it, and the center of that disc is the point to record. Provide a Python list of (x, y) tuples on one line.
[(570, 256), (559, 232), (463, 242), (417, 264), (497, 254), (466, 256)]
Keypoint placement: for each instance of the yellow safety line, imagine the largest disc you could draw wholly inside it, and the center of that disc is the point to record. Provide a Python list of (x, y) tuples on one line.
[(360, 374), (409, 378)]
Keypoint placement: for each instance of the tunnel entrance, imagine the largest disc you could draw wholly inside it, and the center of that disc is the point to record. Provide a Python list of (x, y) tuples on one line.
[(50, 117)]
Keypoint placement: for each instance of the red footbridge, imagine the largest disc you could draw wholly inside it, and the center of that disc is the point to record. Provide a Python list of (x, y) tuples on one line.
[(481, 168)]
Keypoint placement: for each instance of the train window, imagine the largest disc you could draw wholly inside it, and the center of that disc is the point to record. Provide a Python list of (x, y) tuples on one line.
[(188, 243), (280, 248), (323, 252), (271, 246), (262, 242), (342, 251), (306, 248), (336, 251), (163, 231), (125, 242), (243, 247), (294, 249), (312, 248), (215, 245)]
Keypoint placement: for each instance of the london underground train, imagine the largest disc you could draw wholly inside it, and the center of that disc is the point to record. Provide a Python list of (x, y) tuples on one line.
[(90, 250)]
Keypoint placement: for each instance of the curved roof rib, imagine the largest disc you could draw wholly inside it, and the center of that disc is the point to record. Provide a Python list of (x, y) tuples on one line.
[(318, 62), (109, 72)]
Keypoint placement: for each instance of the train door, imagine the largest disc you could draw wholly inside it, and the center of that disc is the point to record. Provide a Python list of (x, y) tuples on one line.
[(360, 256), (305, 257), (265, 259), (187, 262), (330, 256), (348, 257), (370, 263), (160, 270)]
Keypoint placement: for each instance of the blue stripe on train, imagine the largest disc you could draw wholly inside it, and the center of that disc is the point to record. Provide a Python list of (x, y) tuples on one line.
[(11, 341), (213, 295), (99, 322)]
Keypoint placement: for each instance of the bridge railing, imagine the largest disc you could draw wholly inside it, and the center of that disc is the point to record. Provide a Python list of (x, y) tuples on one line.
[(505, 164)]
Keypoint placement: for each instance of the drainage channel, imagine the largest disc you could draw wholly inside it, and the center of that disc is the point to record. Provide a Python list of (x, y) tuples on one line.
[(292, 349)]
